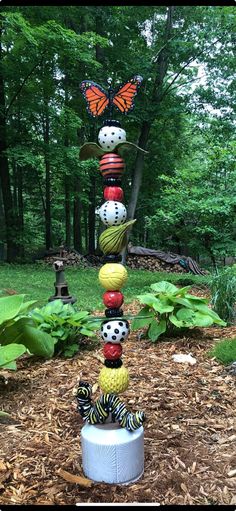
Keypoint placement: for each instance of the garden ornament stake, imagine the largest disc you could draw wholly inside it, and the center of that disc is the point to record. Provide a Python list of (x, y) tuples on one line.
[(112, 439)]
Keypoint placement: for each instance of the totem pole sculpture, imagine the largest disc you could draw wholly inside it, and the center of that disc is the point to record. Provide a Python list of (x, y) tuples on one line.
[(112, 439)]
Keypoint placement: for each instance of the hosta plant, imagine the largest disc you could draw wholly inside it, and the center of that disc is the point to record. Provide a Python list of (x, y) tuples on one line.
[(169, 308), (66, 325), (18, 329)]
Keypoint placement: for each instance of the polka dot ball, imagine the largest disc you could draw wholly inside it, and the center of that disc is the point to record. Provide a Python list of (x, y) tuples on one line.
[(113, 213)]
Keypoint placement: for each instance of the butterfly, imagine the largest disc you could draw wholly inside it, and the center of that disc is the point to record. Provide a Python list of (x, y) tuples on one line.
[(98, 99)]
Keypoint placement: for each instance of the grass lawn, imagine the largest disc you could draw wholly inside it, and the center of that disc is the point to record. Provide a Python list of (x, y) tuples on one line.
[(37, 283)]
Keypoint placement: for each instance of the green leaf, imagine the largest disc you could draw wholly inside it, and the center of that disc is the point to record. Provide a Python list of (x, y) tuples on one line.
[(164, 287), (209, 312), (38, 342), (57, 333), (173, 319), (26, 306), (86, 332), (156, 329), (80, 315), (202, 320), (11, 365), (182, 290), (197, 298), (10, 307), (71, 350), (186, 315), (182, 301), (54, 307), (13, 333), (141, 322), (93, 325), (9, 353)]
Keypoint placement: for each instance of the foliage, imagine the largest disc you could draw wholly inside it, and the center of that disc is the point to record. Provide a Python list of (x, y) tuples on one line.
[(17, 327), (11, 309), (225, 351), (67, 325), (190, 166), (223, 290), (8, 355), (169, 307)]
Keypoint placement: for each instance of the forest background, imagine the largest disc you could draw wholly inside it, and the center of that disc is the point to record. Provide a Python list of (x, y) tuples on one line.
[(183, 191)]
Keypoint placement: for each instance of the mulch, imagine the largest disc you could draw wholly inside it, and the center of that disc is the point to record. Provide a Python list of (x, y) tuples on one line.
[(190, 430)]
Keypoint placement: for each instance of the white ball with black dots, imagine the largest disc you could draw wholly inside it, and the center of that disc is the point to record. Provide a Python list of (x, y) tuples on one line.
[(113, 213), (115, 331), (110, 136)]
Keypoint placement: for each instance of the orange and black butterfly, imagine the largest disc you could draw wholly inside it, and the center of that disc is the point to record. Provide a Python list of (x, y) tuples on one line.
[(122, 98)]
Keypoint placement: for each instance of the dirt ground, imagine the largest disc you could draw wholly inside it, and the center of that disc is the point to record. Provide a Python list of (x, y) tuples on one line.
[(190, 430)]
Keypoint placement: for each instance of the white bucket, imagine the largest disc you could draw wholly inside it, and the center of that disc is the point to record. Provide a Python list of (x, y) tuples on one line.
[(112, 454)]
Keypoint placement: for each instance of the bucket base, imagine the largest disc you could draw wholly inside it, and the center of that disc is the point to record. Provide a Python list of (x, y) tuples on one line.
[(111, 454)]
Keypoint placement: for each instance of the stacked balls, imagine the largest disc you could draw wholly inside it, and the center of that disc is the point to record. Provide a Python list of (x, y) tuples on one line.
[(114, 377)]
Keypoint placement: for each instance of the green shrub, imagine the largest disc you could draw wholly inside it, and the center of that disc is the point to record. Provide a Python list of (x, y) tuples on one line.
[(169, 308), (67, 326), (223, 290), (225, 351)]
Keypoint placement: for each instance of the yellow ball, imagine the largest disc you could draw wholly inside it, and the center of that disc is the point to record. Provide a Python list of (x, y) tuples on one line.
[(113, 380), (112, 276)]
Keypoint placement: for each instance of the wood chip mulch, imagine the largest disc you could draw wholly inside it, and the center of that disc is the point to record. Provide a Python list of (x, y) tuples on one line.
[(190, 431)]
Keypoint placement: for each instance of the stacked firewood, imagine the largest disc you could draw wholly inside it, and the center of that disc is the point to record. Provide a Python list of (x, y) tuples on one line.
[(71, 259), (153, 264), (137, 262)]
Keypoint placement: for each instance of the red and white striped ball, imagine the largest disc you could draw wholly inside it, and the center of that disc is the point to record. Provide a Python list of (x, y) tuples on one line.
[(112, 165)]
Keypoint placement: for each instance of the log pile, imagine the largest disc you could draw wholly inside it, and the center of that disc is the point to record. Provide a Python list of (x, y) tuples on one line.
[(137, 262), (151, 263), (71, 259)]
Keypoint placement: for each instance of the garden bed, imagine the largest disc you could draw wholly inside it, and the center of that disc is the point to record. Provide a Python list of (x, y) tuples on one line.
[(189, 432)]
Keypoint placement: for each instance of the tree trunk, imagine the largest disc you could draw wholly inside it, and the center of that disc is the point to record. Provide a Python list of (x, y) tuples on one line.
[(137, 177), (20, 210), (85, 217), (91, 215), (161, 70), (77, 218), (48, 233), (4, 172), (66, 177), (67, 210)]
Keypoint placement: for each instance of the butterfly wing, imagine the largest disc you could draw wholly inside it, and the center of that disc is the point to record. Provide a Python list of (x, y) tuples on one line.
[(123, 99), (95, 96)]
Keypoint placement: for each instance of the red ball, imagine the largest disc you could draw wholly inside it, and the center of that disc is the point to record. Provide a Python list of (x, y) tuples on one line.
[(113, 299), (112, 351), (113, 193)]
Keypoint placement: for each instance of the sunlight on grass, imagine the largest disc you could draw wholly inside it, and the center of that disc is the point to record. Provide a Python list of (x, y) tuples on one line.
[(37, 283)]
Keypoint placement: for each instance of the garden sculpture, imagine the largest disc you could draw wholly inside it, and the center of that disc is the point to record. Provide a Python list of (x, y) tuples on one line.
[(112, 439), (61, 286)]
